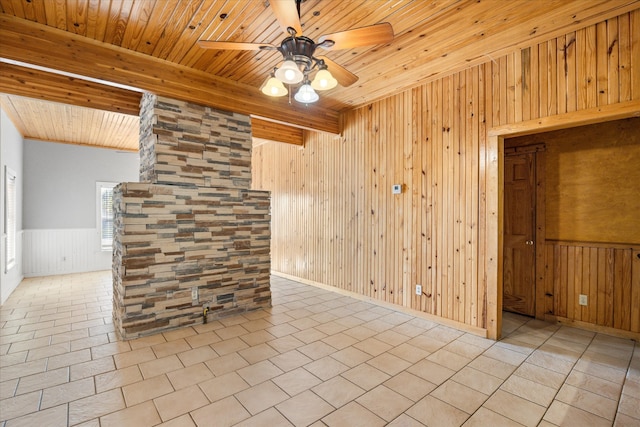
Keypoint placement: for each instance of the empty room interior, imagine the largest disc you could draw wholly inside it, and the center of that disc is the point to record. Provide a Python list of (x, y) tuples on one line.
[(319, 213)]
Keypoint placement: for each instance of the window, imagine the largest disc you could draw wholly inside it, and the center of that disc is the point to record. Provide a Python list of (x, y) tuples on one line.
[(10, 218), (104, 195)]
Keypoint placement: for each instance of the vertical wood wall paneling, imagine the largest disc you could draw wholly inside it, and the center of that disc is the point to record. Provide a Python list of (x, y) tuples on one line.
[(439, 201), (624, 66), (561, 75), (447, 260), (635, 291), (486, 123), (613, 44), (608, 276), (602, 75), (427, 213), (593, 286), (410, 299), (570, 72), (548, 307), (338, 214), (635, 54), (458, 169), (478, 122)]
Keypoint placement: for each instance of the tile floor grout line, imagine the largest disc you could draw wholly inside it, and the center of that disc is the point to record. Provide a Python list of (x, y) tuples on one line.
[(635, 346), (568, 374), (502, 381)]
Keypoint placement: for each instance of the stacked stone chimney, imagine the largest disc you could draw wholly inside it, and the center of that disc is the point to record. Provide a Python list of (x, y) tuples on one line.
[(191, 234)]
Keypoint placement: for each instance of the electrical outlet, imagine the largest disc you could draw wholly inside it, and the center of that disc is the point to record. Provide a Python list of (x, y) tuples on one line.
[(194, 296), (582, 299), (418, 289)]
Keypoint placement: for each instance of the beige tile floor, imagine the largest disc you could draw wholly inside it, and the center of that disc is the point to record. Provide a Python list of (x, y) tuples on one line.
[(315, 358)]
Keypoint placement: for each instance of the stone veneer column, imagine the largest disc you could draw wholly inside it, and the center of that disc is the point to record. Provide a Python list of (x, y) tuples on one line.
[(193, 223)]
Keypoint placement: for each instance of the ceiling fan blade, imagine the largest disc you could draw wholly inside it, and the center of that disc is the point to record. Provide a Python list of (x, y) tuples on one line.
[(365, 36), (210, 44), (286, 13), (341, 74)]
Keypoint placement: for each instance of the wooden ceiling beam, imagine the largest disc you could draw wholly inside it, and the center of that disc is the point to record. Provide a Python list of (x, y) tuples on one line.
[(264, 129), (38, 84), (37, 44)]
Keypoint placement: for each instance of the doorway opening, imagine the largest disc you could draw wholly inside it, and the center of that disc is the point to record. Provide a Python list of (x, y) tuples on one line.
[(494, 203), (523, 160)]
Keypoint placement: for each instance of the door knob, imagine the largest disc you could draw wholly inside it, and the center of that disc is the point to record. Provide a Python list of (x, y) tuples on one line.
[(529, 242)]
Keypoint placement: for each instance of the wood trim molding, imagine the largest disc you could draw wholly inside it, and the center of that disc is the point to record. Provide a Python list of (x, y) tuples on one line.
[(44, 46), (594, 328), (632, 246), (605, 113)]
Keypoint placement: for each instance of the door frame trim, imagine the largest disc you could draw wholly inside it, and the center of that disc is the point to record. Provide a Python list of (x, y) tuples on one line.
[(493, 206)]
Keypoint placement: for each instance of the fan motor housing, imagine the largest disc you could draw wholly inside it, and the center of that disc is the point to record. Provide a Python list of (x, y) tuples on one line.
[(300, 49)]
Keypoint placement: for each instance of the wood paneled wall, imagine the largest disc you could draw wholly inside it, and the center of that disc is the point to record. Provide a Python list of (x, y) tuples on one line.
[(62, 251), (336, 221), (609, 275)]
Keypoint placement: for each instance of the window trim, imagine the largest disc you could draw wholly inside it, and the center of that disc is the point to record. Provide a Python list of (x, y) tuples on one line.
[(10, 224), (106, 245)]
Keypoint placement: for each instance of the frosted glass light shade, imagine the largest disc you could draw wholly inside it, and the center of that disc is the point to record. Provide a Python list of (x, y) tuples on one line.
[(289, 73), (306, 94), (324, 80), (273, 87)]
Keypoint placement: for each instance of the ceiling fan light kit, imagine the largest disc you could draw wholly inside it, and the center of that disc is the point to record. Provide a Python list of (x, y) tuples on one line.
[(324, 80), (273, 87), (298, 50), (298, 65), (306, 94), (289, 73)]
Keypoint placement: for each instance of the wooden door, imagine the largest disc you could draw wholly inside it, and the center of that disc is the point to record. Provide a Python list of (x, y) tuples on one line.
[(519, 232)]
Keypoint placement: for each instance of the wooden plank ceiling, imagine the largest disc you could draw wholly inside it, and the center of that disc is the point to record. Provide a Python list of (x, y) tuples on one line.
[(151, 45), (70, 124)]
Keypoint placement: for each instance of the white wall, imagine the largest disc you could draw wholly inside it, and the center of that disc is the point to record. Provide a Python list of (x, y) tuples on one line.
[(60, 182), (11, 155), (60, 230)]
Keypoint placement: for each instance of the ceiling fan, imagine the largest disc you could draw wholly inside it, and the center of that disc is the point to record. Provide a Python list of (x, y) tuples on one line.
[(298, 53)]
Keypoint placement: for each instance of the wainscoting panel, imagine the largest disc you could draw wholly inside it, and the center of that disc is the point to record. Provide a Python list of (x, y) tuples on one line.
[(62, 251), (11, 279), (607, 275)]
